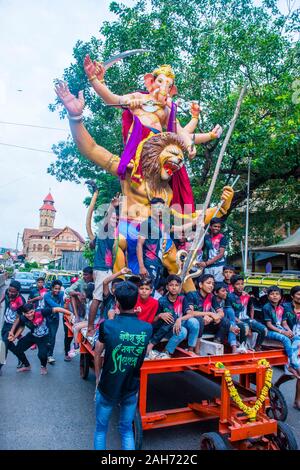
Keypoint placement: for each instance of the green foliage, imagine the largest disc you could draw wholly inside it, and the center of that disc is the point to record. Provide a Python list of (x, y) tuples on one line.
[(29, 266), (9, 270), (89, 254), (214, 47)]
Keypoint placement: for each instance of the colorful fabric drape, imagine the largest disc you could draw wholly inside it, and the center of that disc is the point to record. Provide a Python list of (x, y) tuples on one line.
[(180, 183)]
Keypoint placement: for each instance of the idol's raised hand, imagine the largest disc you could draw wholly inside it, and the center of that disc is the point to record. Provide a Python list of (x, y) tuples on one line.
[(73, 105), (93, 69), (217, 131), (195, 109)]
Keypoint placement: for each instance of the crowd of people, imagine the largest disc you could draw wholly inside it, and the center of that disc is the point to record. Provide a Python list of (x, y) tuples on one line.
[(130, 318)]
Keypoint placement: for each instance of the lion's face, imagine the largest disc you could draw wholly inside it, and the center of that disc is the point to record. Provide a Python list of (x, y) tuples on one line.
[(171, 160)]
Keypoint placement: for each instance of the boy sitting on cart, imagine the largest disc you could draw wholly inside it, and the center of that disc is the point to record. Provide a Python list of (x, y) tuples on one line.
[(202, 305), (241, 304), (281, 327), (171, 322)]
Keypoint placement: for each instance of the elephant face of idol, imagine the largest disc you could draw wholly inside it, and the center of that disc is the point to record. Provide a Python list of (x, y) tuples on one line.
[(171, 160), (160, 87)]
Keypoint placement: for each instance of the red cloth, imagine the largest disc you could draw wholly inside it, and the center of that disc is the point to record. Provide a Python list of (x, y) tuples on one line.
[(148, 308), (180, 182)]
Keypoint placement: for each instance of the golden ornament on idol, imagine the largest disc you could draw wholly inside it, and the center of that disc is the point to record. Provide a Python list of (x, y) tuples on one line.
[(250, 411)]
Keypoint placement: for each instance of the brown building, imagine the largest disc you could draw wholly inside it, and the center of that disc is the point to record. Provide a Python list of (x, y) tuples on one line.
[(46, 243)]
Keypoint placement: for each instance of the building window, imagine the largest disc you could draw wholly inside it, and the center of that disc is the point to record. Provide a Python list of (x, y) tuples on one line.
[(40, 248), (46, 248), (46, 222), (34, 247)]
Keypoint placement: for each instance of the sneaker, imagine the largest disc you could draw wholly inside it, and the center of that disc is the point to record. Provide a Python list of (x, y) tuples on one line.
[(153, 355), (164, 355), (67, 358), (24, 368), (20, 364), (51, 360), (44, 371)]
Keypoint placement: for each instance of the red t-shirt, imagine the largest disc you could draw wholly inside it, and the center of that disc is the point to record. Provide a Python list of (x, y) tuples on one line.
[(148, 309)]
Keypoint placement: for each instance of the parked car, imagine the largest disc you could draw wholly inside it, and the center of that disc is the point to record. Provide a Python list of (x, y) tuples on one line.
[(26, 279), (64, 277), (38, 273)]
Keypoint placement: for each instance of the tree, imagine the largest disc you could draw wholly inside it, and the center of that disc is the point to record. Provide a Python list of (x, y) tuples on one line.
[(214, 46)]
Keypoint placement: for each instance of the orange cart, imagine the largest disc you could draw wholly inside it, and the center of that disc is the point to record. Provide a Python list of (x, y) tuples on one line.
[(267, 432)]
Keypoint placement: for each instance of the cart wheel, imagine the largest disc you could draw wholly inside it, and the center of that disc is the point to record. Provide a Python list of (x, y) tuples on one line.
[(138, 430), (284, 438), (84, 366), (278, 408), (213, 441)]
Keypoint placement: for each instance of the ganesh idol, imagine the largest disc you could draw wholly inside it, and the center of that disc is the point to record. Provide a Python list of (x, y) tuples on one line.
[(148, 114), (160, 156)]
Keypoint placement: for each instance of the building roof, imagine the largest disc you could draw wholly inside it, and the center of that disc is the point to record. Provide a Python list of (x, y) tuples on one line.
[(48, 203), (72, 230), (47, 207), (288, 245), (48, 198), (35, 233)]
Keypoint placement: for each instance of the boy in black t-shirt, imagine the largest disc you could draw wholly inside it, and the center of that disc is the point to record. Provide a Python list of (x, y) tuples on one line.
[(151, 241), (125, 341), (172, 321), (13, 302), (274, 315), (35, 321)]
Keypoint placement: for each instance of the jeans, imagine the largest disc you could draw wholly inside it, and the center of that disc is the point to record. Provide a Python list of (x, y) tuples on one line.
[(291, 346), (26, 342), (104, 408), (220, 330), (161, 330), (255, 326), (9, 345), (52, 324), (216, 271), (192, 326), (230, 315), (259, 328), (175, 340), (67, 340)]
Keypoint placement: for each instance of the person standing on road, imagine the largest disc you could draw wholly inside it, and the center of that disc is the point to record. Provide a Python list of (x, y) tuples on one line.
[(35, 321), (13, 302), (103, 261), (125, 341), (54, 298), (36, 295)]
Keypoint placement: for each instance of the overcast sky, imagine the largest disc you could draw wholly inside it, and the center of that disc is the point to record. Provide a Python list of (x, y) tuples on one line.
[(37, 38)]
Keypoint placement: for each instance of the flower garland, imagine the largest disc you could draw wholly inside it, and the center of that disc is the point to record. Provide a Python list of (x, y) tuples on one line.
[(250, 411)]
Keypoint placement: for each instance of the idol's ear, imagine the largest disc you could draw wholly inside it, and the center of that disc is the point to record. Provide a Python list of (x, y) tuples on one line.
[(173, 90), (149, 80)]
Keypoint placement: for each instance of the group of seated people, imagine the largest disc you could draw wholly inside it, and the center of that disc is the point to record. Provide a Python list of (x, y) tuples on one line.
[(221, 309)]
